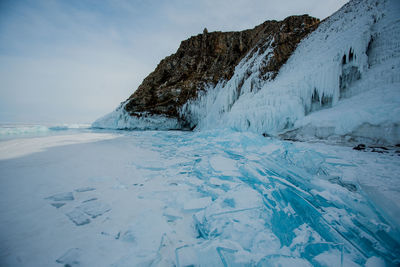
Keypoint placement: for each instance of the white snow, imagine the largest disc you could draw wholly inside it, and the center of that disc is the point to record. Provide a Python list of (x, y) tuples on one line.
[(170, 198), (25, 146), (9, 131)]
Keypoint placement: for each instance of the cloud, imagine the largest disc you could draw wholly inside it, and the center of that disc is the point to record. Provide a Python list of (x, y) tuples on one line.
[(73, 61)]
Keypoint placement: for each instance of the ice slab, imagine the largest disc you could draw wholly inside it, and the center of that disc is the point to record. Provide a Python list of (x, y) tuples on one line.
[(349, 186), (94, 208), (229, 202), (224, 165), (70, 258), (128, 236), (216, 181), (90, 199), (57, 205), (78, 217), (85, 189), (197, 256), (62, 197)]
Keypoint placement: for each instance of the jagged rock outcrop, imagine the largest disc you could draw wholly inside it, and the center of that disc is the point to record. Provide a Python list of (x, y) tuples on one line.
[(339, 84), (209, 58)]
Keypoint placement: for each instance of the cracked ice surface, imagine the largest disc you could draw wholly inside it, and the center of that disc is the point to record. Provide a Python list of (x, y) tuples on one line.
[(216, 198)]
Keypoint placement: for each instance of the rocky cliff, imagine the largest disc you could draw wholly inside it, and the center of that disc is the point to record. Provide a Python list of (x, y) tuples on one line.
[(298, 79), (206, 59)]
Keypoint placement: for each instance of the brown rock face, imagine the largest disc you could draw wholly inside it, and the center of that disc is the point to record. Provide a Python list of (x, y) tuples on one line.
[(210, 57)]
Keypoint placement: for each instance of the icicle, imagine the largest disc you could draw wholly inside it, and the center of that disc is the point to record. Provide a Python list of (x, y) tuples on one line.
[(246, 102)]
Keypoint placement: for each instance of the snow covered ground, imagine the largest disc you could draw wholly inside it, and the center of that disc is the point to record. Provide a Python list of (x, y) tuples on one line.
[(213, 198)]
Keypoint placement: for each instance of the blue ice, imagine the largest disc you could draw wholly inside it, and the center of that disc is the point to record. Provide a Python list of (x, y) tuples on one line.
[(274, 208)]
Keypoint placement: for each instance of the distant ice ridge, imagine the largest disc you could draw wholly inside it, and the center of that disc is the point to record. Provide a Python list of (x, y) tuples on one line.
[(120, 119), (342, 83), (11, 130)]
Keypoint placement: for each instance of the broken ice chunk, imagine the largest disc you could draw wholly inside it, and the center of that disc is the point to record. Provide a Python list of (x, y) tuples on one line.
[(198, 255), (70, 258), (129, 237), (117, 236), (230, 202), (57, 205), (324, 253), (202, 231), (198, 203), (224, 165), (62, 197), (78, 217), (94, 208), (85, 189), (216, 181), (227, 256), (171, 218), (105, 233), (171, 215), (90, 199), (349, 186)]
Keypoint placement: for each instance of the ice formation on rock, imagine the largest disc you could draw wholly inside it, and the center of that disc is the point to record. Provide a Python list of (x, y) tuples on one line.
[(342, 83), (120, 119)]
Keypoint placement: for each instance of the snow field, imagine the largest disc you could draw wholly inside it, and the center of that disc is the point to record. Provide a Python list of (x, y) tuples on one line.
[(213, 198)]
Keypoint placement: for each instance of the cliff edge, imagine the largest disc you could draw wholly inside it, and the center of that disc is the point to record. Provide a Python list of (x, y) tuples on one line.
[(201, 62)]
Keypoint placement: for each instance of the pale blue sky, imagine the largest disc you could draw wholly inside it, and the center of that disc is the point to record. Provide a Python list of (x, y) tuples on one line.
[(75, 60)]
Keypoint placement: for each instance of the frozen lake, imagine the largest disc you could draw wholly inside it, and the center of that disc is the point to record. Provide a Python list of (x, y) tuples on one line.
[(216, 198)]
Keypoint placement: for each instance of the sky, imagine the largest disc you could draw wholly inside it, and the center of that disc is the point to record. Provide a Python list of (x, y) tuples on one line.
[(73, 61)]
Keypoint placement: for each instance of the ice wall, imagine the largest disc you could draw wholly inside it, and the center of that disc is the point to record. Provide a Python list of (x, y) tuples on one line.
[(341, 83), (213, 102)]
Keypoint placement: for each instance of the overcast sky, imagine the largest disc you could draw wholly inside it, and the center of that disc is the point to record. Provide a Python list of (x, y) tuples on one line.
[(75, 60)]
